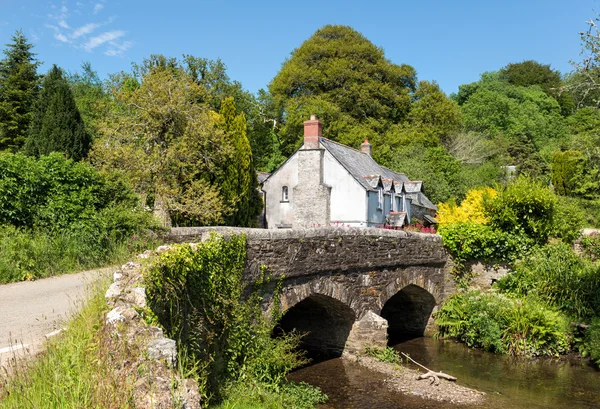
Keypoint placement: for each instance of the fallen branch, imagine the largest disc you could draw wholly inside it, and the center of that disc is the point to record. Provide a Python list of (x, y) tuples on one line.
[(433, 376)]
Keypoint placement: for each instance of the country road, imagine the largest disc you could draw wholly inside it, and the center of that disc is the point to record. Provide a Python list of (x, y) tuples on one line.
[(33, 310)]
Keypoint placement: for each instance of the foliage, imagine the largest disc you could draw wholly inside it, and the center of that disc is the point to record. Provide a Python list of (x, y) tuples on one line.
[(19, 82), (472, 241), (254, 396), (523, 207), (558, 277), (77, 368), (239, 185), (571, 174), (90, 97), (56, 124), (504, 325), (58, 216), (387, 354), (591, 246), (471, 209), (592, 342), (197, 295), (167, 144), (342, 77)]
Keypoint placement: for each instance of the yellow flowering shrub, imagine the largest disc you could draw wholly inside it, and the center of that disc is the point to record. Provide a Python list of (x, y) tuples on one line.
[(470, 210)]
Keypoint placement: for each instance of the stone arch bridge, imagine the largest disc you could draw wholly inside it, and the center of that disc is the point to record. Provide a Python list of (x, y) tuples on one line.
[(347, 287)]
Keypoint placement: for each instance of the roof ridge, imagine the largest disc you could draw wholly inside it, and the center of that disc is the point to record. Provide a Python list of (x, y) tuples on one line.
[(345, 146)]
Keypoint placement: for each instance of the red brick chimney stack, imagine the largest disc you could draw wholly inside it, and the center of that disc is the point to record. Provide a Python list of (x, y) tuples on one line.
[(366, 147), (313, 130)]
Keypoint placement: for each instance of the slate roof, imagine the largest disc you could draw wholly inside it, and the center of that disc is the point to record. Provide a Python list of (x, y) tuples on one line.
[(262, 176), (366, 171)]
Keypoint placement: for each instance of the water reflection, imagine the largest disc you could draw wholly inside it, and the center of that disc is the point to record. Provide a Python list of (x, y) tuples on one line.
[(510, 383)]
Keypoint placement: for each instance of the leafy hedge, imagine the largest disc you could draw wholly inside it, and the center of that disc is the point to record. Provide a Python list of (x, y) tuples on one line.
[(501, 324), (197, 295), (57, 215)]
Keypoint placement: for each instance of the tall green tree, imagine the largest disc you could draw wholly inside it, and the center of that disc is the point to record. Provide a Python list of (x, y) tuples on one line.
[(19, 82), (239, 184), (346, 80), (90, 97), (57, 125)]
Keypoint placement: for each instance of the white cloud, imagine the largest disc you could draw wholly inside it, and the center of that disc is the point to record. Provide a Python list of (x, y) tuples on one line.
[(64, 9), (117, 49), (98, 7), (103, 38), (61, 37), (83, 30), (63, 24)]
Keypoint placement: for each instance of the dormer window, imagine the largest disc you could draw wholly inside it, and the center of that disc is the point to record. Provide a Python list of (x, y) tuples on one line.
[(285, 194)]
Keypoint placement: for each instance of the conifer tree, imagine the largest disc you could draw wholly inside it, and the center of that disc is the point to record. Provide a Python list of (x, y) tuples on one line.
[(239, 185), (19, 84), (57, 125)]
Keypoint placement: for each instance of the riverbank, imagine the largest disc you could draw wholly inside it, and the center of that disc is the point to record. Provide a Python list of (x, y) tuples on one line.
[(404, 380)]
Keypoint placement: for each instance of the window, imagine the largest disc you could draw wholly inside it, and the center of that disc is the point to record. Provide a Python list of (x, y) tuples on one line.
[(284, 194), (380, 199), (393, 202)]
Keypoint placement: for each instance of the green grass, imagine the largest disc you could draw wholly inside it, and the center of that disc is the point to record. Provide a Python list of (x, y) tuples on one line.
[(387, 354), (28, 255), (257, 396), (75, 371)]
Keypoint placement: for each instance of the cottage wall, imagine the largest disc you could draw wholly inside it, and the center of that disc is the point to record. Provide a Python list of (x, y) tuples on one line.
[(279, 214), (311, 203), (348, 197)]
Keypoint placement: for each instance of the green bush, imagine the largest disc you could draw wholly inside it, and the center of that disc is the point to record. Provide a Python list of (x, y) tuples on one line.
[(504, 325), (592, 343), (591, 246), (523, 207), (472, 241), (198, 297), (387, 354), (560, 278), (57, 216)]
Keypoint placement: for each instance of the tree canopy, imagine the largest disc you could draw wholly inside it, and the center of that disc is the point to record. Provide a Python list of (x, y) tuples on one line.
[(57, 125), (19, 83)]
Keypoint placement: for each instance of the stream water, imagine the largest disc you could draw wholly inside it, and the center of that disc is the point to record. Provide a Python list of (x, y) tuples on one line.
[(509, 383)]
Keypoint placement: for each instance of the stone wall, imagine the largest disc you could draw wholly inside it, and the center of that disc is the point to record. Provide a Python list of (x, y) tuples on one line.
[(311, 198)]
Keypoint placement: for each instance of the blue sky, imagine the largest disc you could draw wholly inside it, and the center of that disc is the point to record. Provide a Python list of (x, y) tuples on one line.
[(451, 42)]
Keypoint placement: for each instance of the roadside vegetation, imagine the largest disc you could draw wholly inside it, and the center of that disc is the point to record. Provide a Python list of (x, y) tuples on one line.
[(75, 370), (199, 298)]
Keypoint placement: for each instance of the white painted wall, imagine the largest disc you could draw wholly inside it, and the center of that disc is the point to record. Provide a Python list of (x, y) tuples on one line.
[(348, 198), (279, 214)]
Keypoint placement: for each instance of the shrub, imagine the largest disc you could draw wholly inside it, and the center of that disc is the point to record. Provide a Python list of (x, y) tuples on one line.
[(470, 210), (557, 276), (387, 354), (591, 246), (592, 347), (197, 295), (523, 207), (501, 324), (470, 241)]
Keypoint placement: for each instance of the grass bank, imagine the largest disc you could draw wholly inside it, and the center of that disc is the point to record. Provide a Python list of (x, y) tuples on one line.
[(76, 369)]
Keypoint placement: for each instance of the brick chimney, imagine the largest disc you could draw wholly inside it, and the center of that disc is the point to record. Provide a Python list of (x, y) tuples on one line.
[(313, 130), (366, 147)]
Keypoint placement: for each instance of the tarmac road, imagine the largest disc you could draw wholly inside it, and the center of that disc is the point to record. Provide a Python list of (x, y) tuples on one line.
[(31, 311)]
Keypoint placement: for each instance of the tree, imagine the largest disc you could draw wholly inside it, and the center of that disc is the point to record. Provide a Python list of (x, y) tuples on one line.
[(572, 174), (168, 145), (19, 83), (239, 184), (346, 80), (90, 97), (531, 73), (56, 125)]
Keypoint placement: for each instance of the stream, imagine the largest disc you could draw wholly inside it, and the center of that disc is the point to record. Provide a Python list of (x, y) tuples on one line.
[(509, 383)]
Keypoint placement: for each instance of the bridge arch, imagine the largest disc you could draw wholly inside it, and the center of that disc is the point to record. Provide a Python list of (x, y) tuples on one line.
[(325, 320), (408, 312)]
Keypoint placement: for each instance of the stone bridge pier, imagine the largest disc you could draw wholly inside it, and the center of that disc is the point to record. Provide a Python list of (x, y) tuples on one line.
[(347, 287)]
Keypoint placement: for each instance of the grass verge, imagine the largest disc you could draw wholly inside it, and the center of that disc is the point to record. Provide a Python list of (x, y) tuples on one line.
[(76, 369)]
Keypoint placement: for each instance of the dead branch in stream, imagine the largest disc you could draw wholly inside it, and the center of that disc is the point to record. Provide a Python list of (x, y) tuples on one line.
[(433, 376)]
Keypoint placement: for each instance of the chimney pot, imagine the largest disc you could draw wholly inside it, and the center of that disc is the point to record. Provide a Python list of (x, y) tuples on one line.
[(366, 147), (313, 130)]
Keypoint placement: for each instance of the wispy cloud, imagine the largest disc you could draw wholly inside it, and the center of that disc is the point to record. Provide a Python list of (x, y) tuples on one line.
[(68, 28), (103, 38), (84, 30)]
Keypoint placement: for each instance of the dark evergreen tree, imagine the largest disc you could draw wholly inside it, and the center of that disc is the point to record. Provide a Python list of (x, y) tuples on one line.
[(19, 84), (57, 125)]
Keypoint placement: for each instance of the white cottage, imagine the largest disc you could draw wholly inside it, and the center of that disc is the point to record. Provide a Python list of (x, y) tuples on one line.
[(325, 183)]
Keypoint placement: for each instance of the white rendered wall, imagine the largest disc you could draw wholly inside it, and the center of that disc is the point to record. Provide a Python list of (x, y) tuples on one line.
[(348, 198), (280, 214)]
